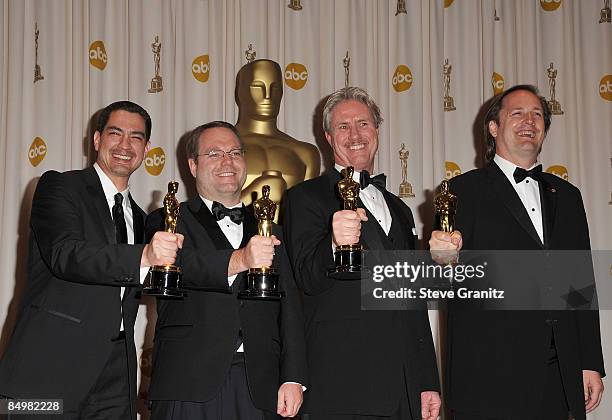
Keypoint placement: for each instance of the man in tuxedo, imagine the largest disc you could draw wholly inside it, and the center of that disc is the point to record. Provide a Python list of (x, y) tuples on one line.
[(74, 339), (218, 357), (519, 364), (362, 364)]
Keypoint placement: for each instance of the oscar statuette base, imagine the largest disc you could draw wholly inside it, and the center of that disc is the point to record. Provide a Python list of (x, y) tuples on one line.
[(262, 284), (348, 260), (164, 281)]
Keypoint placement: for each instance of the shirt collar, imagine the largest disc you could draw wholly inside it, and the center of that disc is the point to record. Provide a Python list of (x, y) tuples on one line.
[(209, 204), (508, 167), (108, 187)]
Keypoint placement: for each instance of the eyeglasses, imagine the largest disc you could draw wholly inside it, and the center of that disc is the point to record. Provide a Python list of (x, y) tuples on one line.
[(217, 154)]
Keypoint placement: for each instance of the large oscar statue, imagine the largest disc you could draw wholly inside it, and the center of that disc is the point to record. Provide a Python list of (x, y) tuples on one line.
[(165, 280), (348, 258), (273, 158), (262, 283)]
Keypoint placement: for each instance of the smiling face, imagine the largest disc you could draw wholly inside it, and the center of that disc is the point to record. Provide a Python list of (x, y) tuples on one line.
[(353, 135), (121, 146), (520, 132), (218, 178), (260, 89)]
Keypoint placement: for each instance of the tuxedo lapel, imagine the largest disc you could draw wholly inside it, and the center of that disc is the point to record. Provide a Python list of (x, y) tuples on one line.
[(400, 233), (98, 200), (548, 199), (508, 196), (372, 234), (249, 226)]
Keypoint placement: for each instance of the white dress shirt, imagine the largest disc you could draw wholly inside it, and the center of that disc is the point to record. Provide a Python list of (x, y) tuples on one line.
[(528, 191)]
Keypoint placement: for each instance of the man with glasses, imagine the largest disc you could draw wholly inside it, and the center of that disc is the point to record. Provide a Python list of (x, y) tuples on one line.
[(207, 344)]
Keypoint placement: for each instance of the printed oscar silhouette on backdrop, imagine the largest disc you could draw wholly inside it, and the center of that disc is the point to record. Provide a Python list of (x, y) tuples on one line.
[(273, 158)]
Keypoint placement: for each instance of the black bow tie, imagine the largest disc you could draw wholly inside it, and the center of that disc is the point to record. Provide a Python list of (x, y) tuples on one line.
[(236, 214), (520, 174), (379, 181)]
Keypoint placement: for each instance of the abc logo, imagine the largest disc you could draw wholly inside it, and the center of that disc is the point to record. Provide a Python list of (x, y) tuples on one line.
[(550, 5), (296, 75), (447, 3), (155, 161), (451, 169), (498, 82), (559, 170), (37, 151), (605, 87), (402, 78), (200, 68), (146, 362), (97, 55)]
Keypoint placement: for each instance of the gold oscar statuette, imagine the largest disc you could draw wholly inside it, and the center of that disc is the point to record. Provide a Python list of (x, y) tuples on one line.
[(37, 74), (348, 258), (262, 282), (405, 188), (449, 101), (553, 103), (156, 81), (445, 204), (165, 280), (401, 7), (605, 15)]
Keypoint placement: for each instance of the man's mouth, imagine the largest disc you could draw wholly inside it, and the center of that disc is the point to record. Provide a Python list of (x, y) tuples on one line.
[(122, 157), (357, 146), (527, 134), (226, 174)]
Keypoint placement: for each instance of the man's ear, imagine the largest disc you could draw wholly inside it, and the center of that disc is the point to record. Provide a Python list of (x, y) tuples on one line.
[(96, 140), (193, 166), (328, 137), (493, 128)]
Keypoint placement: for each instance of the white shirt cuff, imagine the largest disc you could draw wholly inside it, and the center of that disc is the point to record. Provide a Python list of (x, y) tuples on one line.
[(143, 273), (297, 383)]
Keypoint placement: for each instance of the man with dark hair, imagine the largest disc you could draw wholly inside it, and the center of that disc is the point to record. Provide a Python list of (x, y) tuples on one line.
[(519, 364), (208, 344), (362, 364), (74, 339)]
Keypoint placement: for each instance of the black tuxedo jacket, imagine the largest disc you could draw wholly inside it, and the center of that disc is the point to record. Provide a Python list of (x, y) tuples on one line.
[(71, 309), (497, 360), (196, 337), (357, 360)]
